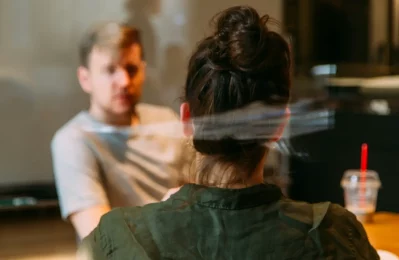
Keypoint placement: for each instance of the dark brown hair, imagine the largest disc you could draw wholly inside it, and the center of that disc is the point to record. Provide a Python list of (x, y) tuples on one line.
[(242, 62), (110, 35)]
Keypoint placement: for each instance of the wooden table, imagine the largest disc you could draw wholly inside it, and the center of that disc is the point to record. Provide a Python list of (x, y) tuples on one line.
[(383, 232), (36, 235)]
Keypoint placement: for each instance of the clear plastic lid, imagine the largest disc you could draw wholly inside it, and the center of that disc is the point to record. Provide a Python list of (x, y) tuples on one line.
[(352, 178)]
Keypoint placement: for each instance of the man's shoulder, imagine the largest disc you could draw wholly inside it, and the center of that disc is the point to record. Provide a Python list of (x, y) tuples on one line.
[(70, 131)]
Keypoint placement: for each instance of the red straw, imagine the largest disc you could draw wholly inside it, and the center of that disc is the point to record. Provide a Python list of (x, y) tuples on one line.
[(363, 163), (363, 170)]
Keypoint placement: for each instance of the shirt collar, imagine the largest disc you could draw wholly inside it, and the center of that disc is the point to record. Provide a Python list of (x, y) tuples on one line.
[(229, 199)]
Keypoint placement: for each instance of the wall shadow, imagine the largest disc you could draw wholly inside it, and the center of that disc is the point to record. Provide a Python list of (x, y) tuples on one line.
[(139, 16)]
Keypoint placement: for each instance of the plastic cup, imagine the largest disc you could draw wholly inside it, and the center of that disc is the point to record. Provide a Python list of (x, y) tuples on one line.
[(361, 193)]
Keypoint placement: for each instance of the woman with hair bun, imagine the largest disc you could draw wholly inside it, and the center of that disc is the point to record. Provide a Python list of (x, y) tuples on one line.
[(227, 211)]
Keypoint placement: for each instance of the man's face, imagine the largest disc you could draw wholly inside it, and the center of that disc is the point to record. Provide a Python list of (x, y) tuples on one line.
[(114, 82)]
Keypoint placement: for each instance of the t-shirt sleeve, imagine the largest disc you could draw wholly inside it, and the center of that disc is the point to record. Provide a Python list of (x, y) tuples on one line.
[(77, 173), (341, 236)]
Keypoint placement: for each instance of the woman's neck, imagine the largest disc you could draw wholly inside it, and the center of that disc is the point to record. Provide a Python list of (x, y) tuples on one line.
[(220, 175)]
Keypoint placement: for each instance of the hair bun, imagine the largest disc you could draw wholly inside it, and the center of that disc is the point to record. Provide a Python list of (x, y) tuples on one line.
[(241, 35)]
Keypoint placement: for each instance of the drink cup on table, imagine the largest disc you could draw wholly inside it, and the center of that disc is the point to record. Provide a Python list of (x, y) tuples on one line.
[(361, 192)]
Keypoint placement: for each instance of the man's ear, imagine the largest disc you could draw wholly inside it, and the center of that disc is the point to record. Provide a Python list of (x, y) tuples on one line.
[(185, 118), (83, 77), (280, 129)]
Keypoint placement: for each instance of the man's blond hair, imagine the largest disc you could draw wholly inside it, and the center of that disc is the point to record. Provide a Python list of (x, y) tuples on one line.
[(111, 36)]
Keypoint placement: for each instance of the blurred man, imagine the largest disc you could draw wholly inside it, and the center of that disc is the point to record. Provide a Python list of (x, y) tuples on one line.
[(99, 165)]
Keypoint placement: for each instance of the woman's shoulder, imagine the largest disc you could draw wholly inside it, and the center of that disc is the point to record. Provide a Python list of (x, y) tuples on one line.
[(131, 215), (333, 229), (120, 233), (319, 217), (312, 214)]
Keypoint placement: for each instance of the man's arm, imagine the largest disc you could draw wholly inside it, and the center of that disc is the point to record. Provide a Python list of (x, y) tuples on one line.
[(85, 221), (170, 193), (81, 194), (90, 248)]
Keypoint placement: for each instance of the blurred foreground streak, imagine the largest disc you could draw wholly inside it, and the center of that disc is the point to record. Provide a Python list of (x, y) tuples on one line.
[(258, 123)]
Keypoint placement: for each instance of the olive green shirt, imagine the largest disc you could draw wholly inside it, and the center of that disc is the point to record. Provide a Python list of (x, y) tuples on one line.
[(211, 223)]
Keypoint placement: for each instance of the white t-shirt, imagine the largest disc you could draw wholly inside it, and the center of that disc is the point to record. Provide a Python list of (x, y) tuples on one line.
[(97, 164)]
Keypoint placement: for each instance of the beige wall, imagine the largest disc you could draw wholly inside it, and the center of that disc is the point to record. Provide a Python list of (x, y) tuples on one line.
[(378, 26), (396, 24), (38, 58)]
